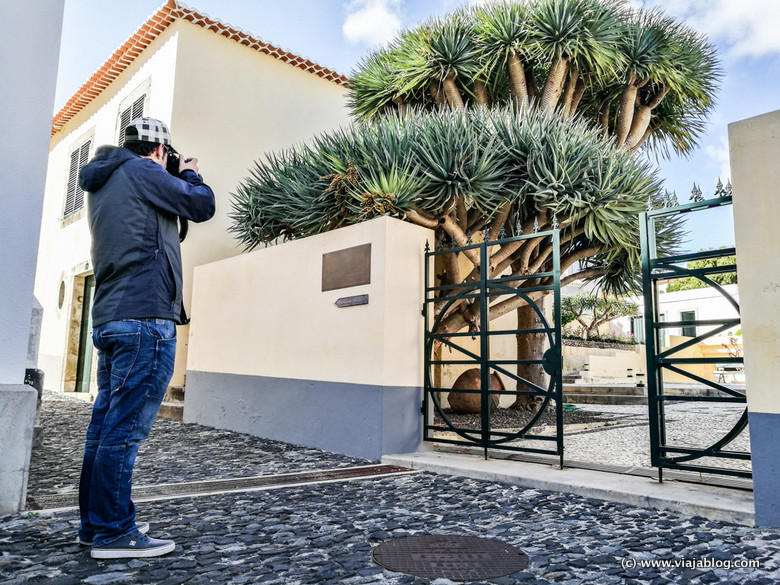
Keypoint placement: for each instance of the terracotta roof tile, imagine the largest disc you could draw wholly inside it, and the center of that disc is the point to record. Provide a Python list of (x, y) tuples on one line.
[(168, 13)]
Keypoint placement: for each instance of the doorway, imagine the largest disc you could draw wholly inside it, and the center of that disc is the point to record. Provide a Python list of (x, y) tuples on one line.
[(86, 349)]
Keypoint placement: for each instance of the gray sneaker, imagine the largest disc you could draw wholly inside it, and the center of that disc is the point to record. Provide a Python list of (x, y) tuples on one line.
[(142, 527), (133, 546)]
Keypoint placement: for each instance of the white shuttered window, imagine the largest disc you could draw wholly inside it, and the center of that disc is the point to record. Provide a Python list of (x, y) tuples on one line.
[(74, 198), (135, 110)]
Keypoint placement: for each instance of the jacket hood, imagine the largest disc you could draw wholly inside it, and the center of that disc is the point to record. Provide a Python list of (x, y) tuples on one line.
[(106, 160)]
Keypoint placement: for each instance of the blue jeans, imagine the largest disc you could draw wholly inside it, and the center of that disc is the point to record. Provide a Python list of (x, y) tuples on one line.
[(135, 364)]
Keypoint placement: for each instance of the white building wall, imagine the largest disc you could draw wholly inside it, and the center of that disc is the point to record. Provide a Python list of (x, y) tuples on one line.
[(28, 70), (227, 105), (705, 303), (64, 252), (27, 94)]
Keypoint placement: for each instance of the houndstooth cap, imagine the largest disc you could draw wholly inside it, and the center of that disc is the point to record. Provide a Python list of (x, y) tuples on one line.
[(148, 130)]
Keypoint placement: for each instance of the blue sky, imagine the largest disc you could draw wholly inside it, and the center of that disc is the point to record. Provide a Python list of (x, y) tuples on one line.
[(338, 33)]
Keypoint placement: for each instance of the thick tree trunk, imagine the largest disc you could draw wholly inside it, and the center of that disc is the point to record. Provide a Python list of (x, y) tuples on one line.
[(626, 111), (554, 84), (638, 126), (480, 93), (454, 99), (517, 81), (530, 346)]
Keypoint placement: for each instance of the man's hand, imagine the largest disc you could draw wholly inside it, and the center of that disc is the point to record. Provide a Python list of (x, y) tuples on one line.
[(188, 163)]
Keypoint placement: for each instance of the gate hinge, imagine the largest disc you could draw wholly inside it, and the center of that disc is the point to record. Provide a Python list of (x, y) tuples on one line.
[(422, 407)]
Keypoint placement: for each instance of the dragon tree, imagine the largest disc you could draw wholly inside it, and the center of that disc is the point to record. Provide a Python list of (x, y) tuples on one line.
[(505, 119), (643, 78)]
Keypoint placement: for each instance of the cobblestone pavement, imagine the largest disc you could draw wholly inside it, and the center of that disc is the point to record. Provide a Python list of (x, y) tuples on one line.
[(325, 532)]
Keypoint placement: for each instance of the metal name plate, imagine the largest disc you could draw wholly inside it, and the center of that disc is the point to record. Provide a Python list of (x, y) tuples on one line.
[(352, 301), (347, 267)]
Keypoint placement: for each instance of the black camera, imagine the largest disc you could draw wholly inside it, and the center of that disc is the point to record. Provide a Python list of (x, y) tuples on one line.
[(173, 163), (172, 166)]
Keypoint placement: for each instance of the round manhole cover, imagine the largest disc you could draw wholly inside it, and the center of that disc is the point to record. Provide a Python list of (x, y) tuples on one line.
[(458, 558)]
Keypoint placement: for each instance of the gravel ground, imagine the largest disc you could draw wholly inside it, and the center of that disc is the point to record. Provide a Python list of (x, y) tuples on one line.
[(508, 418), (620, 435), (627, 442), (324, 534)]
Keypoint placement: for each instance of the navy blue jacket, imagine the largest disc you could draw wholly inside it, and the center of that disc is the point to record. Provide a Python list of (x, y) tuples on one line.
[(133, 204)]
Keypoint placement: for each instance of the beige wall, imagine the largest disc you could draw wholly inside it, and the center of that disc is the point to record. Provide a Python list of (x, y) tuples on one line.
[(272, 355), (232, 105), (264, 313), (755, 167)]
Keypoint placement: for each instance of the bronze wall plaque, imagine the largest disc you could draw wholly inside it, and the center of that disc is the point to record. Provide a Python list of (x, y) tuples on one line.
[(347, 267)]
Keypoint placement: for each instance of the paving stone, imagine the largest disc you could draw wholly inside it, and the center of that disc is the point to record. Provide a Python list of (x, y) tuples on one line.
[(324, 533)]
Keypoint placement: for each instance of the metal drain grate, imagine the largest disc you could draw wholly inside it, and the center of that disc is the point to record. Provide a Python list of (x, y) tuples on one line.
[(241, 484), (458, 558)]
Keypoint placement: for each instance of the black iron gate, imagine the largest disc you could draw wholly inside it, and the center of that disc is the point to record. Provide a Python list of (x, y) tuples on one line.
[(476, 347), (656, 269)]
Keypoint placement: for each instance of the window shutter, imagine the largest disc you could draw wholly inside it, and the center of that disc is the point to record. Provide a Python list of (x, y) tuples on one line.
[(74, 198), (138, 107), (136, 110), (124, 121), (70, 198)]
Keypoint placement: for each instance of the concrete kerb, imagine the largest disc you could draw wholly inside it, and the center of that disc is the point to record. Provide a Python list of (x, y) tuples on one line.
[(714, 503)]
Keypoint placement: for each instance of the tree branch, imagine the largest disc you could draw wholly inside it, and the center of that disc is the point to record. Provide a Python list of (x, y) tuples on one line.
[(499, 220), (480, 93), (419, 217), (453, 229), (461, 212), (587, 273), (626, 112), (507, 250), (579, 92), (570, 259), (641, 121), (545, 253), (569, 88), (436, 93)]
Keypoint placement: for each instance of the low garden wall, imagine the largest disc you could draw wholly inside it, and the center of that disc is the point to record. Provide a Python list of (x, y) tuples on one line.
[(298, 344)]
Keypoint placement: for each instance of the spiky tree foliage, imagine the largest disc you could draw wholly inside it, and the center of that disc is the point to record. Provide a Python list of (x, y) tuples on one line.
[(535, 109), (591, 311), (486, 171), (646, 79)]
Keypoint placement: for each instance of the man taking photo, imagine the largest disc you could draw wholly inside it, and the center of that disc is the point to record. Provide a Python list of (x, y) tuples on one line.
[(133, 209)]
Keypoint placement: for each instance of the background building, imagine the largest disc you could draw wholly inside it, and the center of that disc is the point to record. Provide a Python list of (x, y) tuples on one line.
[(228, 98)]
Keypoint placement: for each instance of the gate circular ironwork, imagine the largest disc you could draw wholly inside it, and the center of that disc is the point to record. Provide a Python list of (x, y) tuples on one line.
[(547, 363)]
